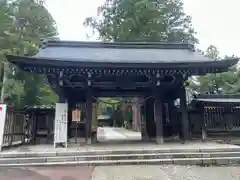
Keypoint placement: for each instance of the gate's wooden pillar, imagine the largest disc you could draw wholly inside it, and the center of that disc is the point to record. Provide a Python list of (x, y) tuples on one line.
[(150, 118), (88, 124), (70, 108), (158, 115), (145, 121), (61, 97), (136, 108), (184, 113), (172, 117), (204, 123), (34, 126)]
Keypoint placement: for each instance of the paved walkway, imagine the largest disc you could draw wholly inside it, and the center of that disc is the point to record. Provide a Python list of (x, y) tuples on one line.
[(122, 173), (47, 173), (130, 135), (117, 134), (165, 173), (108, 134)]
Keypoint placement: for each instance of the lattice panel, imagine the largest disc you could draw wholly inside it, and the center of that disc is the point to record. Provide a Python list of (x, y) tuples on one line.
[(214, 118), (14, 128), (235, 118)]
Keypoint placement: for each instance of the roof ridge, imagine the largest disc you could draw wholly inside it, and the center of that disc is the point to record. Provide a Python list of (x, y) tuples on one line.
[(119, 45)]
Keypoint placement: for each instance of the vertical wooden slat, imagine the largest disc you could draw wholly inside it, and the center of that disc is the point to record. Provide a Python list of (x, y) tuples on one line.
[(23, 128)]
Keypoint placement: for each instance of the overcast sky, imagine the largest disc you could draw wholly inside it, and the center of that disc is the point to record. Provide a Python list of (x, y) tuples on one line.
[(216, 21)]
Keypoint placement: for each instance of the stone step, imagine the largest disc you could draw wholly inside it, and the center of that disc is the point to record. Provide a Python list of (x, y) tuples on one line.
[(118, 157), (113, 152), (217, 161)]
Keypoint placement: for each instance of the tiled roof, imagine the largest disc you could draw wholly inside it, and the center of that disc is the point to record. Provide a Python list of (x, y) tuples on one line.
[(130, 55), (120, 52)]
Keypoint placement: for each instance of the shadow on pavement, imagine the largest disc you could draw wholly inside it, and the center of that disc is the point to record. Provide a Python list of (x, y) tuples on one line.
[(21, 174)]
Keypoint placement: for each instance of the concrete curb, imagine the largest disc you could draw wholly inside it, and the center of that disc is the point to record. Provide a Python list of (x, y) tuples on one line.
[(112, 152), (181, 161), (122, 158)]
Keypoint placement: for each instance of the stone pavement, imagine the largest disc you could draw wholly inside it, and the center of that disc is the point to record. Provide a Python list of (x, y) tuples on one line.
[(108, 134), (165, 173), (145, 172), (129, 134), (117, 134), (47, 173)]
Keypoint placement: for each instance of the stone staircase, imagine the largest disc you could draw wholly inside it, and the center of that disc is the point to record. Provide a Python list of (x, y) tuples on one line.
[(206, 157)]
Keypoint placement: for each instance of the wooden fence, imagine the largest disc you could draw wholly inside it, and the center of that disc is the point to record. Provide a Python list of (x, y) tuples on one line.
[(15, 128), (215, 121), (222, 121)]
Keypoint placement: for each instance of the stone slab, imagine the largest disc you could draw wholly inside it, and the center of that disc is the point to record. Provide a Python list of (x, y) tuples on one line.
[(180, 161), (210, 158), (48, 150), (59, 158)]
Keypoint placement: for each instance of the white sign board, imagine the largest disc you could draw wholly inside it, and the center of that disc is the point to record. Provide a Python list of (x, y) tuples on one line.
[(61, 124), (3, 110)]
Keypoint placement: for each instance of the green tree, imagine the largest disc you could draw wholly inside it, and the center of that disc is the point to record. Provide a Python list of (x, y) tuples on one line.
[(142, 20), (226, 83), (28, 22)]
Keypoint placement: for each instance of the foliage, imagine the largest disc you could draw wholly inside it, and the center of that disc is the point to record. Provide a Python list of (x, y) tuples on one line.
[(108, 105), (226, 83), (23, 23), (142, 20)]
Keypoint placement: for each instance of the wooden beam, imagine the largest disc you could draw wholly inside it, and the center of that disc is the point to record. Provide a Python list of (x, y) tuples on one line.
[(110, 85), (122, 93)]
